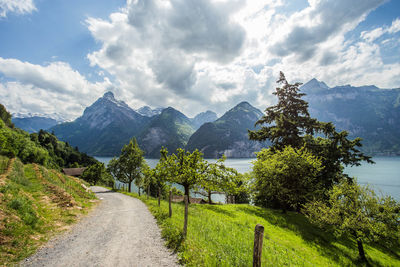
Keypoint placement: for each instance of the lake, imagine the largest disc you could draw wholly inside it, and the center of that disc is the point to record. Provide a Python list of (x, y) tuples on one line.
[(384, 176)]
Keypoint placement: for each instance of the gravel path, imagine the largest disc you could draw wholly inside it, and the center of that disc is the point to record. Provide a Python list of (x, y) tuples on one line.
[(119, 232)]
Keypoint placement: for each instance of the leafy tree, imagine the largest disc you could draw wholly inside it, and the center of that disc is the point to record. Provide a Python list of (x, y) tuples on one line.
[(289, 124), (128, 166), (356, 211), (97, 174), (286, 178), (219, 178), (184, 168)]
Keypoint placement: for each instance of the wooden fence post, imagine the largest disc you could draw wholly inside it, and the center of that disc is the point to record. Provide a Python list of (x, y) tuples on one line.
[(170, 205), (258, 243), (159, 196), (186, 216)]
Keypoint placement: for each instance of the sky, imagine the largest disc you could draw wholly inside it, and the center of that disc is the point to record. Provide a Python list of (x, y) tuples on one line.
[(59, 56)]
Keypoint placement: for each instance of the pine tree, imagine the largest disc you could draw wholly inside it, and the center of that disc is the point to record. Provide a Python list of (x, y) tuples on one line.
[(289, 124)]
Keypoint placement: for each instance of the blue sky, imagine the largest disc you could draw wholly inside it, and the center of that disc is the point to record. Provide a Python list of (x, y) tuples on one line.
[(59, 56)]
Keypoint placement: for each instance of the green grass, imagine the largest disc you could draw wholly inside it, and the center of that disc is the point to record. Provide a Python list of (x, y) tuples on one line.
[(223, 235), (35, 204)]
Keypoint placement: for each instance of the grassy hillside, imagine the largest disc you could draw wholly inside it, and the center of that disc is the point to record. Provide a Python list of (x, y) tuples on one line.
[(35, 203), (223, 235)]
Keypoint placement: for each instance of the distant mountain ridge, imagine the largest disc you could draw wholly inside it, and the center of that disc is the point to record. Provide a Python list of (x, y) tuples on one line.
[(148, 111), (366, 111), (104, 127), (170, 129), (228, 135), (108, 124), (34, 124), (203, 117)]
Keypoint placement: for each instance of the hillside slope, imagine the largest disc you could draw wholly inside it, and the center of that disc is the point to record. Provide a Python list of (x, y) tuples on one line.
[(366, 111), (35, 203), (170, 129), (223, 235), (228, 134)]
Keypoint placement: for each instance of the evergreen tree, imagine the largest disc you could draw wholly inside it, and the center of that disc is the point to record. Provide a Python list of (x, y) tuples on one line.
[(288, 121), (289, 124)]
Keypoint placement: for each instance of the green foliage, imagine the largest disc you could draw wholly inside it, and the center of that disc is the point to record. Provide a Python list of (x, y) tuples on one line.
[(17, 143), (42, 148), (61, 152), (288, 121), (5, 116), (286, 178), (220, 178), (223, 235), (356, 210), (289, 124), (97, 174), (184, 168), (129, 165)]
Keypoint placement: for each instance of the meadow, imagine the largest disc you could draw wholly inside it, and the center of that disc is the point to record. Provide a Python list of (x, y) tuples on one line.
[(223, 235)]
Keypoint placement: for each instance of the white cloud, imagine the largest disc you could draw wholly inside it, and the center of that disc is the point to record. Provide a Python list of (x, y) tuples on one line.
[(211, 54), (395, 27), (374, 34), (54, 88), (16, 6), (305, 31), (179, 52)]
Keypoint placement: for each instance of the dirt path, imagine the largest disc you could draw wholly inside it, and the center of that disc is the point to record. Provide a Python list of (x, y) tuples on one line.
[(119, 232)]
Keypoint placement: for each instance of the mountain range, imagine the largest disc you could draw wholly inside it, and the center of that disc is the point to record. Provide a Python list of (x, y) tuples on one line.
[(366, 111), (104, 127), (228, 135), (108, 124)]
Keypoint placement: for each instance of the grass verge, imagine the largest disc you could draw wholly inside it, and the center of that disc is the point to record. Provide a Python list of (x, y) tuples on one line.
[(223, 235), (35, 204)]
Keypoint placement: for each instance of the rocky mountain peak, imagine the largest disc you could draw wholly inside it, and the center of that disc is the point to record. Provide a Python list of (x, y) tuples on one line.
[(109, 95), (204, 117), (313, 86), (148, 111)]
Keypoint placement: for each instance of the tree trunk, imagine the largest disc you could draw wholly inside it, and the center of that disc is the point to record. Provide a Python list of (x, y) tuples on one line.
[(185, 222), (186, 187), (361, 252), (130, 186), (209, 197), (170, 204), (148, 191), (139, 190)]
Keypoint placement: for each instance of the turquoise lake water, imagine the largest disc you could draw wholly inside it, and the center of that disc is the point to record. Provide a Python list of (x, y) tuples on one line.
[(383, 176)]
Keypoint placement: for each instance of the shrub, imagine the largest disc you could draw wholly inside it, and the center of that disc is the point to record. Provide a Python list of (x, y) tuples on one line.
[(286, 178)]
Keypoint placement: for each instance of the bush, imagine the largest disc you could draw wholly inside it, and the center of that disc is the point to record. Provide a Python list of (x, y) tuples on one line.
[(286, 179)]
